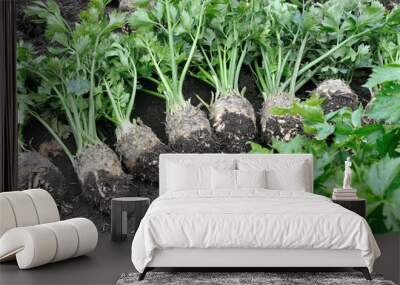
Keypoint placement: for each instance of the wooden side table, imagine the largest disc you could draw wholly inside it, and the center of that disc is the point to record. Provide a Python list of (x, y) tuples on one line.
[(126, 214), (358, 206)]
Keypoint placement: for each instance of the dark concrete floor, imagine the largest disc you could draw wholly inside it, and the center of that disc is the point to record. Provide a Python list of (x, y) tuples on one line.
[(103, 266), (111, 259)]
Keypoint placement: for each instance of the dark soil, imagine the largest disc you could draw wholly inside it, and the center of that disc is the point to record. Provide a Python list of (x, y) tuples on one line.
[(145, 189), (390, 4), (283, 128), (337, 94), (252, 93), (80, 207), (27, 30), (37, 171), (304, 92), (193, 87), (196, 142), (189, 130), (234, 122), (146, 168), (139, 149), (359, 79), (101, 186), (151, 110), (238, 131)]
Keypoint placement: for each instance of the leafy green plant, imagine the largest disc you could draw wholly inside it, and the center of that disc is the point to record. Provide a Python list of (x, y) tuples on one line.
[(163, 32), (224, 45), (72, 74), (288, 56), (373, 147), (136, 143), (341, 20), (388, 50), (299, 42), (31, 98)]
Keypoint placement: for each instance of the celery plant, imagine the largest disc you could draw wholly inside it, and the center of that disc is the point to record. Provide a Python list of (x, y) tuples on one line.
[(224, 46), (137, 144), (71, 74), (294, 50), (162, 31)]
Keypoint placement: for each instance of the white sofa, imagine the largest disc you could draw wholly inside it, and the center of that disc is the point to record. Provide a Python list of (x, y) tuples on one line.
[(31, 231)]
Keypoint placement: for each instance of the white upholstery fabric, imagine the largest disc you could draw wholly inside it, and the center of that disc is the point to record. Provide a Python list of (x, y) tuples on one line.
[(31, 232), (23, 209), (37, 245), (26, 208), (7, 218), (251, 219), (45, 205), (87, 234)]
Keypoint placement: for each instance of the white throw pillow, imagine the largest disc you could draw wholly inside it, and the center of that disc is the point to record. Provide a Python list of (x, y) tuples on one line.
[(183, 177), (292, 179), (223, 179), (282, 174), (251, 178)]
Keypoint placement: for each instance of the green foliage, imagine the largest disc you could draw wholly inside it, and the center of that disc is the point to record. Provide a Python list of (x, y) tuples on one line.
[(380, 74), (374, 149), (165, 32), (380, 184), (121, 82), (224, 44), (257, 148), (386, 105), (91, 70), (300, 41), (74, 78)]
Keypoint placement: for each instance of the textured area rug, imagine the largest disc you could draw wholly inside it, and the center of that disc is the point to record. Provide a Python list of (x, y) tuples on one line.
[(243, 278)]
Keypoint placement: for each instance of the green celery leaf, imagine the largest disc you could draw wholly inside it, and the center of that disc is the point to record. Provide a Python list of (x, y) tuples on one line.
[(323, 130), (386, 105), (140, 20), (381, 174), (295, 145), (388, 143), (356, 117), (257, 148), (381, 74), (78, 86)]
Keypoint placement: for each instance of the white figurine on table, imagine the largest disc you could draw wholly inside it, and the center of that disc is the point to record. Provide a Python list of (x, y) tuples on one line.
[(347, 175)]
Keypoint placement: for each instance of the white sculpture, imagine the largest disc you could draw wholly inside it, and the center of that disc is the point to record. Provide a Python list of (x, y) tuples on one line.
[(347, 175)]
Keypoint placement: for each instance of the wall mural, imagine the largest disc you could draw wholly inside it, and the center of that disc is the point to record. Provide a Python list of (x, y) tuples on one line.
[(102, 91)]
